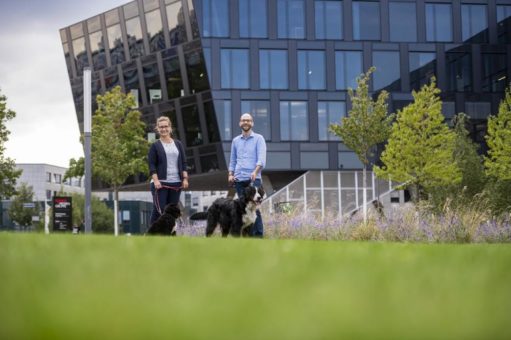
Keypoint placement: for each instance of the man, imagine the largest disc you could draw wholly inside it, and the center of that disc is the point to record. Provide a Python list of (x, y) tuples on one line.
[(248, 158)]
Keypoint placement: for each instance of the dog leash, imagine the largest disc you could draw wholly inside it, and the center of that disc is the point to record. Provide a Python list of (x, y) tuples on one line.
[(157, 200)]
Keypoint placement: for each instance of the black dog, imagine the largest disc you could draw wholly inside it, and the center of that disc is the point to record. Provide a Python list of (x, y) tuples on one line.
[(235, 217), (165, 224)]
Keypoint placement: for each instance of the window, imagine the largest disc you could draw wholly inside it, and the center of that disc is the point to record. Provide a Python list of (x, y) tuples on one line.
[(111, 78), (97, 43), (291, 19), (402, 20), (48, 177), (504, 23), (260, 111), (67, 55), (115, 44), (348, 66), (155, 30), (253, 19), (329, 113), (211, 122), (173, 78), (387, 75), (131, 83), (191, 123), (494, 72), (294, 121), (81, 59), (422, 68), (58, 178), (135, 40), (176, 23), (459, 72), (311, 70), (474, 23), (438, 22), (273, 69), (234, 68), (152, 83), (196, 70), (215, 18), (366, 20), (328, 19), (223, 117), (48, 194)]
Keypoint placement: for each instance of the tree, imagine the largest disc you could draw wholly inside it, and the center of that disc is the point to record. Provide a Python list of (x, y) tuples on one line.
[(18, 212), (8, 172), (119, 148), (420, 149), (367, 124), (498, 161), (76, 168)]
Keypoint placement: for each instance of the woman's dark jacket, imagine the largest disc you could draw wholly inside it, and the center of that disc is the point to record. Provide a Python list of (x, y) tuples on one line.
[(158, 160)]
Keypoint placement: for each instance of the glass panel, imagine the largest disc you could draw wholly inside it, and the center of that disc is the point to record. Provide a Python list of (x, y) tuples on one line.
[(76, 30), (131, 83), (215, 18), (209, 163), (474, 23), (67, 56), (311, 70), (193, 20), (438, 22), (234, 67), (347, 179), (459, 72), (115, 44), (135, 41), (111, 78), (191, 123), (253, 18), (223, 117), (296, 190), (422, 68), (387, 71), (152, 83), (366, 20), (94, 24), (291, 19), (403, 21), (196, 70), (328, 19), (330, 179), (494, 72), (97, 46), (260, 111), (155, 31), (173, 76), (348, 200), (63, 35), (211, 123), (504, 24), (331, 201), (150, 4), (313, 179), (294, 121), (176, 22), (329, 113), (130, 10), (273, 69), (81, 59), (112, 17), (313, 199), (348, 67)]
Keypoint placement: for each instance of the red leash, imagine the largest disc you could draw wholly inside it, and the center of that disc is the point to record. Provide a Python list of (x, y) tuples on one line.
[(157, 200)]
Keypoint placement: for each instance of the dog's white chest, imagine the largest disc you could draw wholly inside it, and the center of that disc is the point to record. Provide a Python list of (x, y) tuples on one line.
[(249, 216)]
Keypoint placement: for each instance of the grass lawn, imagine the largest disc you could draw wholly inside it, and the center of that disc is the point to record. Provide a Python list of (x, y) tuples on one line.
[(101, 287)]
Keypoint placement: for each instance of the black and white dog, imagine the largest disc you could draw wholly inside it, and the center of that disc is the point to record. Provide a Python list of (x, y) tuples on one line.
[(166, 223), (235, 217)]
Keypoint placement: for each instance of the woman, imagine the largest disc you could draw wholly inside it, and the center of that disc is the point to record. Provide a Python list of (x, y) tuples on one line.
[(167, 167)]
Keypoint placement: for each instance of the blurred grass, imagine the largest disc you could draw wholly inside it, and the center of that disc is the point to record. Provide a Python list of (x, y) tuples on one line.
[(91, 286)]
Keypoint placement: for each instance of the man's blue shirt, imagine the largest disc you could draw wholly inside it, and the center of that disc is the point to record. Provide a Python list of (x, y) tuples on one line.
[(246, 154)]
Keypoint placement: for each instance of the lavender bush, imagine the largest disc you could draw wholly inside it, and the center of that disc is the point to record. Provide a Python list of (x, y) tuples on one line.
[(407, 223)]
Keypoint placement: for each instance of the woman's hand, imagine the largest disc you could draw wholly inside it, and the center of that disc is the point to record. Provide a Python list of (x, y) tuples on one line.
[(157, 184), (185, 183)]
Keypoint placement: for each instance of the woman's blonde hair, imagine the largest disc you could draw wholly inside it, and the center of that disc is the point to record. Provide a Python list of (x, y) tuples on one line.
[(163, 119)]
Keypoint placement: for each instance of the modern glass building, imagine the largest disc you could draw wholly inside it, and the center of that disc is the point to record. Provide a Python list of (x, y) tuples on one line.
[(289, 63)]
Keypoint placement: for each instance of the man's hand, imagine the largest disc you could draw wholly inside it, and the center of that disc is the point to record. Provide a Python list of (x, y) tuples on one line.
[(253, 176), (230, 179)]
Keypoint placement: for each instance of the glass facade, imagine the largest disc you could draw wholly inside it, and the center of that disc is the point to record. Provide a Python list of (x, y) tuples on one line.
[(290, 64)]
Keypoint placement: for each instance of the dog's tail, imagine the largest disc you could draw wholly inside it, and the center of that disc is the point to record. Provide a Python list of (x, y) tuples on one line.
[(199, 216)]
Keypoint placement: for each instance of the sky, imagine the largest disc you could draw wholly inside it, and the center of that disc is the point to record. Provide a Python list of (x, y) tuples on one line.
[(33, 76)]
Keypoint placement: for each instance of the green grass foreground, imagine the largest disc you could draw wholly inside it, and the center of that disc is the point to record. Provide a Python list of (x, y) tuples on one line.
[(101, 287)]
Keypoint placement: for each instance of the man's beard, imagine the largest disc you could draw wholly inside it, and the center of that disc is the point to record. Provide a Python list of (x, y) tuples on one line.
[(246, 128)]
